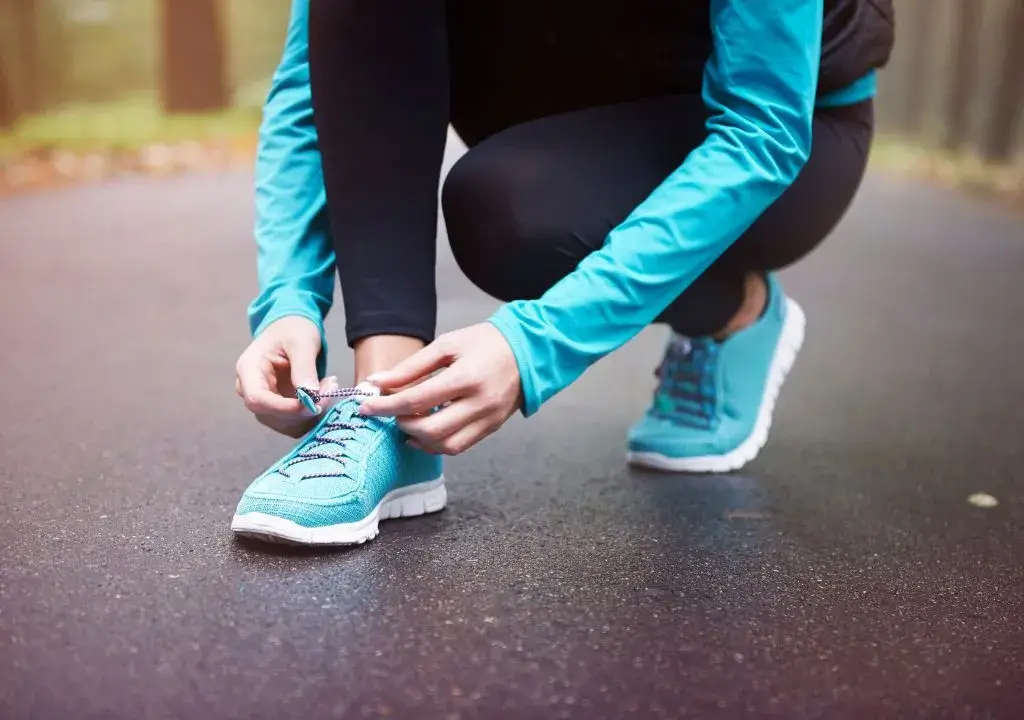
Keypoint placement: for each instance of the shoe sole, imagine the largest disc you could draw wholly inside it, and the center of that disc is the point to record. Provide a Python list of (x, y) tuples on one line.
[(411, 501), (782, 362)]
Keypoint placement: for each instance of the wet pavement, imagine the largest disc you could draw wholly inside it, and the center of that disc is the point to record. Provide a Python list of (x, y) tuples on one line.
[(843, 575)]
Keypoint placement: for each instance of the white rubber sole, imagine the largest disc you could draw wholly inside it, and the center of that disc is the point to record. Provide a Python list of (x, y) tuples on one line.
[(782, 362), (411, 501)]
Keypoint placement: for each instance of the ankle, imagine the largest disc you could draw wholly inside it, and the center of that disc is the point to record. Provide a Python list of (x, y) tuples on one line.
[(755, 301), (382, 352)]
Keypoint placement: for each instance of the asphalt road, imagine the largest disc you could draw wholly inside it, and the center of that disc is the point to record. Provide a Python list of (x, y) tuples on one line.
[(843, 575)]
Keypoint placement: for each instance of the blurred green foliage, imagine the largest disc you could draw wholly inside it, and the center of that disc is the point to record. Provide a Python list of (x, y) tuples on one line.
[(127, 124)]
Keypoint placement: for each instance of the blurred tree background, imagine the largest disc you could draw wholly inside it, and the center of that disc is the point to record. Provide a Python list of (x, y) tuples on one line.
[(104, 75), (956, 80)]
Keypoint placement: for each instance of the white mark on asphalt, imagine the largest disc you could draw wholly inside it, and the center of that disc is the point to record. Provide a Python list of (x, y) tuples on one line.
[(982, 500)]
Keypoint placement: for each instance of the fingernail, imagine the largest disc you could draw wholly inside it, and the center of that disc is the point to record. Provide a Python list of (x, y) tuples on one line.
[(375, 377)]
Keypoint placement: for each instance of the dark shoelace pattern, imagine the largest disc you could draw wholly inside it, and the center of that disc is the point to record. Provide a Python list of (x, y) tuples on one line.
[(316, 396), (686, 388), (314, 451)]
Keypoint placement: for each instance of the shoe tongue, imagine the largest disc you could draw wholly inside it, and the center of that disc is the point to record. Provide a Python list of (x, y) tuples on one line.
[(680, 344), (681, 347)]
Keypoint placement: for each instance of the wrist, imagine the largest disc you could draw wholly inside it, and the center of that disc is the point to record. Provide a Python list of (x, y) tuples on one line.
[(510, 329)]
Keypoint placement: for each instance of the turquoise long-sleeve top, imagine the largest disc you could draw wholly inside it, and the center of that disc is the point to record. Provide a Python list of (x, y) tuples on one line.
[(295, 260), (760, 88)]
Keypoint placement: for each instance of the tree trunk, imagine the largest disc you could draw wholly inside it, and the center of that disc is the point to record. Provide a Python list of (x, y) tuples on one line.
[(921, 17), (193, 57), (27, 63), (1007, 104), (8, 113), (966, 26)]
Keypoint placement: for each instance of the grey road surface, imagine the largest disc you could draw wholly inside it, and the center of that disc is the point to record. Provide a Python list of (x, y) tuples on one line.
[(843, 575)]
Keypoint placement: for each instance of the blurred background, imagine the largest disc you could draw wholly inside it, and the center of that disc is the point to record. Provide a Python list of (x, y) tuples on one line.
[(870, 564), (90, 88), (94, 87)]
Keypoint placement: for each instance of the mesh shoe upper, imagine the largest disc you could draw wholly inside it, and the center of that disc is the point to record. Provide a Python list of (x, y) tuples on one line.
[(340, 472)]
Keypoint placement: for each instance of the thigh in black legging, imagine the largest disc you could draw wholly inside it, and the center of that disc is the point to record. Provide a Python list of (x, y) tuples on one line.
[(524, 206)]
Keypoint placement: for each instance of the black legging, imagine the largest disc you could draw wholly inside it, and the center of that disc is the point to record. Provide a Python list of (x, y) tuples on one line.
[(557, 157)]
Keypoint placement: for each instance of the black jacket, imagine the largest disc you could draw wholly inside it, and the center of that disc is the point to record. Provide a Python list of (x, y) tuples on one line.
[(858, 37)]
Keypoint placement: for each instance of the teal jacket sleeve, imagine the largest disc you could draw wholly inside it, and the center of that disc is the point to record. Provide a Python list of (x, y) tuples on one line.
[(295, 260), (759, 86)]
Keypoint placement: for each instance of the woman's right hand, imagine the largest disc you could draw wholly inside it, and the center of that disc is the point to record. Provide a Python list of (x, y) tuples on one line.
[(281, 359)]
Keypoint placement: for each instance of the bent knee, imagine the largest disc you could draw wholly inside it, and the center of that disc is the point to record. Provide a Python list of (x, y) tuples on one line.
[(503, 224)]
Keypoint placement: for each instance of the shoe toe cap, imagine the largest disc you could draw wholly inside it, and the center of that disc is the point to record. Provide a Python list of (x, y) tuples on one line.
[(655, 435), (303, 511)]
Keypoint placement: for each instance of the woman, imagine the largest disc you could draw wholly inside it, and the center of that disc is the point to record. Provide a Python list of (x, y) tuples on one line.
[(629, 163)]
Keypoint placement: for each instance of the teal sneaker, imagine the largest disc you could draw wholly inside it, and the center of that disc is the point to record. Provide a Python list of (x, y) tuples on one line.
[(714, 402), (346, 476)]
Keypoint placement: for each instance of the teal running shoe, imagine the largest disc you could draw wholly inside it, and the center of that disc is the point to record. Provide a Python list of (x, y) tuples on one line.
[(714, 402), (346, 476)]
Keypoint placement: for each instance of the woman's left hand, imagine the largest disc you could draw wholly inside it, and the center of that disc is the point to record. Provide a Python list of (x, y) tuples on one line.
[(477, 390)]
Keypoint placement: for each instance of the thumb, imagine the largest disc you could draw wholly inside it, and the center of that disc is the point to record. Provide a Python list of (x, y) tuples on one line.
[(302, 364), (414, 368)]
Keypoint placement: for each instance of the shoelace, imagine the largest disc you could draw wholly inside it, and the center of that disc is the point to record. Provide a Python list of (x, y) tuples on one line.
[(313, 450), (311, 398), (687, 382)]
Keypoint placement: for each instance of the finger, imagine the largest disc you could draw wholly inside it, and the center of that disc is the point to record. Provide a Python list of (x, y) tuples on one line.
[(293, 427), (259, 398), (465, 438), (439, 389), (414, 443), (431, 358), (302, 364), (435, 427)]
